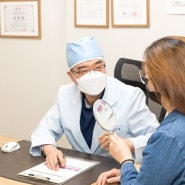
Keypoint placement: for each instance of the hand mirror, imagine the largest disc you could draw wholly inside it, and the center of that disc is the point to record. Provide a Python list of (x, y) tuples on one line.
[(104, 115)]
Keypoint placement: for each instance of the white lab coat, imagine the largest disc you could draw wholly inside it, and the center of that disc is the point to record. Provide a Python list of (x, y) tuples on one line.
[(133, 119)]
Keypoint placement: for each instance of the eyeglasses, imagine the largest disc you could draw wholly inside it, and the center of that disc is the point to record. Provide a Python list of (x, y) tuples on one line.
[(142, 75), (85, 70)]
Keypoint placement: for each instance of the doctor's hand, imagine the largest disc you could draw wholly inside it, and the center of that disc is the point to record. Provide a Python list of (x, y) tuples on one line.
[(54, 157), (112, 176), (104, 140)]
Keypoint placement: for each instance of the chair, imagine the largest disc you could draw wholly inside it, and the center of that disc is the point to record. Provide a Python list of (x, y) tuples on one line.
[(127, 71)]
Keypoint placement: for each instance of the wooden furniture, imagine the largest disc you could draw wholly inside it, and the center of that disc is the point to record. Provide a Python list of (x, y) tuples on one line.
[(5, 181), (4, 140), (106, 163)]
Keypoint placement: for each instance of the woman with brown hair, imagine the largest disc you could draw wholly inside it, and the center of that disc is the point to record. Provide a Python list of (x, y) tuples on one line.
[(164, 156)]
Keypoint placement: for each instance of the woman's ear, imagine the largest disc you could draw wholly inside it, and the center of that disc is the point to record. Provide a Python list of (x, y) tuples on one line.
[(72, 77)]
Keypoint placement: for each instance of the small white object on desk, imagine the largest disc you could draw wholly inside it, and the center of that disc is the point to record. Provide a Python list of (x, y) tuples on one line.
[(10, 147)]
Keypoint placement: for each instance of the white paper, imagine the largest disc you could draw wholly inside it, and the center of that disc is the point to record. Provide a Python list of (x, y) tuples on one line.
[(19, 18), (130, 12), (91, 12), (174, 7), (74, 167)]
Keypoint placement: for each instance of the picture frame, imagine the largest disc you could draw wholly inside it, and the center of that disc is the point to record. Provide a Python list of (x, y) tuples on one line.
[(130, 13), (20, 19), (91, 14)]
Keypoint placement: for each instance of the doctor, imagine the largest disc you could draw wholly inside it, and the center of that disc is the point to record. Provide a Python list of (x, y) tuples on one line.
[(72, 113)]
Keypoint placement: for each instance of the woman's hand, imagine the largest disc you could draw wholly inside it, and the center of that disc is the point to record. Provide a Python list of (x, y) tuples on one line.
[(119, 148), (112, 176)]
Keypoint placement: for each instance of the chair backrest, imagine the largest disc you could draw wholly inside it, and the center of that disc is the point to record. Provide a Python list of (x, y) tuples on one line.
[(127, 71)]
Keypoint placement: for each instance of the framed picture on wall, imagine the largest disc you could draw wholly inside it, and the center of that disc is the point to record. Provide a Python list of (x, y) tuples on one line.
[(91, 13), (20, 19), (130, 13)]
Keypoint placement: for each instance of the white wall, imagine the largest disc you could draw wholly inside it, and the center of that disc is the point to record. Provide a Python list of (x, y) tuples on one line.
[(31, 71)]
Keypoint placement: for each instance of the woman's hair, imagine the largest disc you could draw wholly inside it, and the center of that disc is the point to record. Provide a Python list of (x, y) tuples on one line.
[(165, 63)]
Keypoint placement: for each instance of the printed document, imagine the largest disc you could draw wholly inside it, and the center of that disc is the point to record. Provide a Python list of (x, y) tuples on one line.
[(74, 167)]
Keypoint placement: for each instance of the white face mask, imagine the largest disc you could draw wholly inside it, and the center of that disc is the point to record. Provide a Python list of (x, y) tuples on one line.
[(92, 83)]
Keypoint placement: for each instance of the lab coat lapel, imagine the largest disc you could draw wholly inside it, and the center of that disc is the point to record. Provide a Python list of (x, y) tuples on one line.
[(76, 107), (110, 92), (97, 132)]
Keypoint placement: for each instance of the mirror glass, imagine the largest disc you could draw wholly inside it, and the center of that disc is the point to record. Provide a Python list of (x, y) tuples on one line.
[(104, 115)]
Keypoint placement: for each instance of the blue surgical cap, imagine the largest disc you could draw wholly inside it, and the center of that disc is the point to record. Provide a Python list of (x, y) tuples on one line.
[(87, 48)]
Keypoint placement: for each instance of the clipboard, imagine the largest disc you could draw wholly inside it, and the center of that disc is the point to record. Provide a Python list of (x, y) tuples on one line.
[(74, 166)]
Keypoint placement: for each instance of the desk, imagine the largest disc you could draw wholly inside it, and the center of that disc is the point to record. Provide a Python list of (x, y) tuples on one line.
[(5, 181), (4, 140), (15, 162), (87, 177)]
